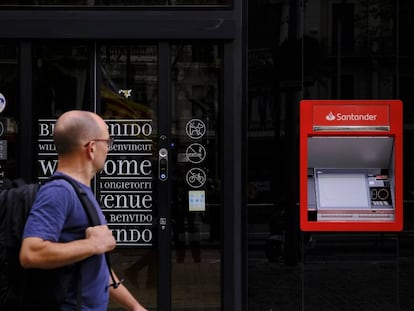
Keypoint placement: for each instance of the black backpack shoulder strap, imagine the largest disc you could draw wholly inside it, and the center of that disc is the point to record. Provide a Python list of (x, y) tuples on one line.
[(92, 216)]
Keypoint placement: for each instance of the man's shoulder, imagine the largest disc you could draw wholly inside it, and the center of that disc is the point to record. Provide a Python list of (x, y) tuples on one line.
[(66, 179), (55, 185), (56, 189)]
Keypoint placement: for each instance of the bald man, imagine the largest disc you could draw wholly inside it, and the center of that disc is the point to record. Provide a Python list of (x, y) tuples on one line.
[(58, 234)]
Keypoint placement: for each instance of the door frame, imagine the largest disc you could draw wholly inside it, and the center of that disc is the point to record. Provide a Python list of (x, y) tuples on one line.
[(164, 186), (225, 25)]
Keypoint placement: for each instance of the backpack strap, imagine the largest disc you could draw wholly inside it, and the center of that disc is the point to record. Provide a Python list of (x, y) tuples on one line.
[(92, 216)]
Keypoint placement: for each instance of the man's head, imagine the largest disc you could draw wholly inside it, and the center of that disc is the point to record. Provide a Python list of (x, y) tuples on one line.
[(82, 135), (75, 128)]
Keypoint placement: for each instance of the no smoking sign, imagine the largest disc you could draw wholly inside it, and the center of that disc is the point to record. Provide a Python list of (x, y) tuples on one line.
[(195, 153)]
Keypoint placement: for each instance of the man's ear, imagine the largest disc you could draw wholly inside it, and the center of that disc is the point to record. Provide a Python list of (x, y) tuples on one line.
[(91, 150)]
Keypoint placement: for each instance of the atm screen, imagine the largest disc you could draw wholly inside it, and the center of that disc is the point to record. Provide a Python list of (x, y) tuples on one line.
[(342, 190)]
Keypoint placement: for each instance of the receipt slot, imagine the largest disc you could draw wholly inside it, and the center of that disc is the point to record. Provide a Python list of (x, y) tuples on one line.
[(351, 165)]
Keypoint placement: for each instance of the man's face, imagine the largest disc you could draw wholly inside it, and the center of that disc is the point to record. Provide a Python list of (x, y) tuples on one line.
[(103, 145)]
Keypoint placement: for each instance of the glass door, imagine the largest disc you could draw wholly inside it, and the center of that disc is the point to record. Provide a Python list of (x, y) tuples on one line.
[(127, 82), (161, 185), (196, 209)]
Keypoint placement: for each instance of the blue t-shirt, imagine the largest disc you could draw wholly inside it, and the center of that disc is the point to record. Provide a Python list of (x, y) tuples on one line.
[(57, 215)]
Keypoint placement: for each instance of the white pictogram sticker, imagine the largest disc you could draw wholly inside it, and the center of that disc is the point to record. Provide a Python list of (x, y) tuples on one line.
[(196, 200), (2, 102), (195, 128), (196, 177), (195, 153)]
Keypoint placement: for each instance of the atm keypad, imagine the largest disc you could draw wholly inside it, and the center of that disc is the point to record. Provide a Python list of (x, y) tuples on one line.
[(380, 191)]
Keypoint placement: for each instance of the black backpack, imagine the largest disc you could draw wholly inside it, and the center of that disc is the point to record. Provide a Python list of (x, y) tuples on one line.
[(32, 289)]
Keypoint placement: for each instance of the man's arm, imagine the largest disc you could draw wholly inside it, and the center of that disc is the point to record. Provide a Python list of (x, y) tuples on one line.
[(123, 297), (38, 253)]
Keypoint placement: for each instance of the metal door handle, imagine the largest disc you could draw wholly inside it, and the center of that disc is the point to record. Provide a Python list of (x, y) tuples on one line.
[(163, 164)]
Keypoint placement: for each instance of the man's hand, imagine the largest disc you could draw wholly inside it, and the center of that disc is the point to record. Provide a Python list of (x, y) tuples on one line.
[(101, 238)]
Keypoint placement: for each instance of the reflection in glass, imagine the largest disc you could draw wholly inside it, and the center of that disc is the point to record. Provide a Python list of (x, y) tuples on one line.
[(61, 82), (9, 114), (61, 78), (129, 81), (196, 207), (321, 50)]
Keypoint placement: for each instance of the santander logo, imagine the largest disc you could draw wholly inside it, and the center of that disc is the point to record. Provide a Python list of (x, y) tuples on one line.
[(348, 113), (330, 116), (350, 117)]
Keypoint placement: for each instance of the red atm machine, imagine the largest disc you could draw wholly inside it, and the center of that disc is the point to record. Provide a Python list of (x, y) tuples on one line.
[(351, 165)]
